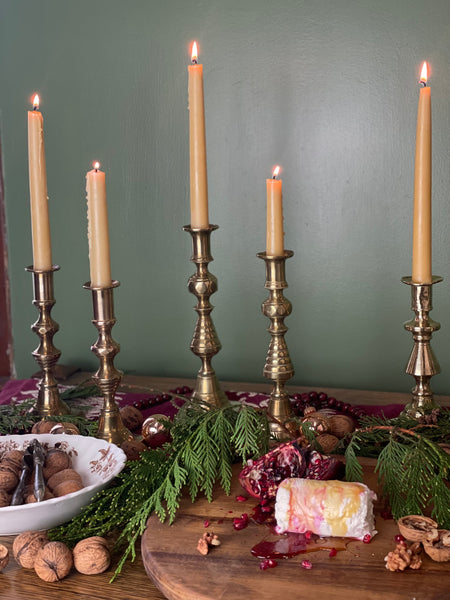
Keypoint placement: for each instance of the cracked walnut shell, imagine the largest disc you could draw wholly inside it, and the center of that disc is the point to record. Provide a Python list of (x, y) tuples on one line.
[(91, 556), (439, 549), (4, 556), (417, 528), (53, 562)]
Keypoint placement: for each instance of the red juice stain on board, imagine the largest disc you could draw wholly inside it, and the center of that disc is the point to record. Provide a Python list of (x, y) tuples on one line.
[(291, 544)]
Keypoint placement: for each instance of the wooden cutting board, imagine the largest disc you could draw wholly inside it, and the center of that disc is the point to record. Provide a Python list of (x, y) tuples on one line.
[(230, 571)]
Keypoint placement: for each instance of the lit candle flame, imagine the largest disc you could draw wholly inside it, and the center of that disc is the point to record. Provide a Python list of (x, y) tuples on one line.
[(276, 172), (194, 55), (96, 165), (36, 102), (424, 74)]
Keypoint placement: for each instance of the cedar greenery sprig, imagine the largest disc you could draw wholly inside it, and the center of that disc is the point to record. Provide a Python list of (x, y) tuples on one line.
[(18, 418), (205, 443), (411, 465)]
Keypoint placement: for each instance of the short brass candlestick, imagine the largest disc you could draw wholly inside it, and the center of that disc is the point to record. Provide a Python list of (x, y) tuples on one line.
[(205, 343), (278, 366), (422, 364), (107, 377), (46, 355)]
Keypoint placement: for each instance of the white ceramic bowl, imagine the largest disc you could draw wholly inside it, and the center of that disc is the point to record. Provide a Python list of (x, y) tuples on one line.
[(95, 460)]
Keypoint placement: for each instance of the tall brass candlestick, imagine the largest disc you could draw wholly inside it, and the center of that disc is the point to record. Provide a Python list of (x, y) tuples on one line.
[(46, 355), (422, 364), (107, 377), (278, 366), (205, 343)]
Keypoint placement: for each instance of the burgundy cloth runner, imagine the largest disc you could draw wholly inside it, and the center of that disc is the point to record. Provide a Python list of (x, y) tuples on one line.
[(18, 390)]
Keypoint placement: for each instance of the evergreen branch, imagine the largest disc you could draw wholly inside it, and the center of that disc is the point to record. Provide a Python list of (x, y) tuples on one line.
[(205, 441)]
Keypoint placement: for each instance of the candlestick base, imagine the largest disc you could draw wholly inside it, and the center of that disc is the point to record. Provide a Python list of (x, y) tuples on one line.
[(205, 342), (422, 363), (278, 365), (48, 402), (107, 377)]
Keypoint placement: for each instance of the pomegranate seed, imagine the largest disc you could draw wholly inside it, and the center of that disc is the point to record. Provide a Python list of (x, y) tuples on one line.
[(308, 535), (266, 509), (241, 498), (240, 522), (206, 523), (332, 401), (367, 538), (269, 563), (306, 564), (332, 553), (399, 539)]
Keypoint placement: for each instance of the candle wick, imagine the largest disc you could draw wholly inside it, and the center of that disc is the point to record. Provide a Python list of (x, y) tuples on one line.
[(35, 107), (423, 84), (194, 61), (274, 176)]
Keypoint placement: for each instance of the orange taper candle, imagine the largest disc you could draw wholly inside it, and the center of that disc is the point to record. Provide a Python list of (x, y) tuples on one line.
[(421, 257)]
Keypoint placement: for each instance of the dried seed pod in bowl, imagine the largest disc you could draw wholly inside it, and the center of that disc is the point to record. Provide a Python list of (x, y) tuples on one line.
[(53, 562)]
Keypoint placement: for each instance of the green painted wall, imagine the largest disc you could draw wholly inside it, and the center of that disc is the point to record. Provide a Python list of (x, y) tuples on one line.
[(328, 89)]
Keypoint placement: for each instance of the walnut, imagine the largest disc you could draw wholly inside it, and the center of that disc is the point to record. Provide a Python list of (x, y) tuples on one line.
[(53, 562), (403, 557), (64, 475), (56, 460), (206, 541), (65, 427), (202, 546), (341, 425), (4, 556), (91, 556), (133, 449), (26, 546), (67, 487), (30, 497), (8, 478), (42, 426), (13, 459), (439, 548), (327, 442), (132, 417), (5, 498), (416, 528)]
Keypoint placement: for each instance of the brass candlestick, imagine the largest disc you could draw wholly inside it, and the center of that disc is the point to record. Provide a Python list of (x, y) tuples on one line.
[(422, 364), (46, 355), (278, 365), (107, 377), (205, 343)]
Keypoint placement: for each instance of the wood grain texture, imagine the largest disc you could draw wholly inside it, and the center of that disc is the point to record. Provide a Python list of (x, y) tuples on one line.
[(22, 584), (230, 571)]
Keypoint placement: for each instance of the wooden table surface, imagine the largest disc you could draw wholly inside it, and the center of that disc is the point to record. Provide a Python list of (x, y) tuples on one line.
[(134, 584)]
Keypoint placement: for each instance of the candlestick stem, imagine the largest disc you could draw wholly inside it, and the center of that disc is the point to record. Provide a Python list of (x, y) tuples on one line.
[(278, 365), (107, 377), (205, 342), (48, 402), (422, 364)]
